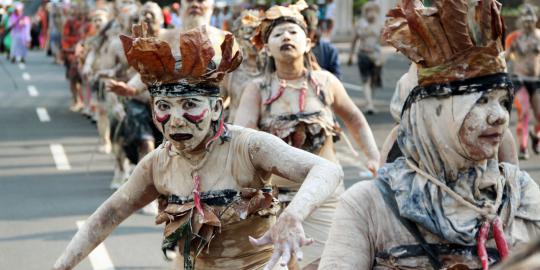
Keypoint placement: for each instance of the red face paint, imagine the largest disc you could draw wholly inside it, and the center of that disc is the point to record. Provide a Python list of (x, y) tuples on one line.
[(195, 119), (163, 119)]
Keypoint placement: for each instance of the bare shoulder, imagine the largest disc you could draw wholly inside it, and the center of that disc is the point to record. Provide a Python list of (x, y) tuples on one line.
[(363, 196)]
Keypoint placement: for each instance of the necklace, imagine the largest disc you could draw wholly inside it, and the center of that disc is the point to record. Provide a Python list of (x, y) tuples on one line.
[(283, 84), (195, 177)]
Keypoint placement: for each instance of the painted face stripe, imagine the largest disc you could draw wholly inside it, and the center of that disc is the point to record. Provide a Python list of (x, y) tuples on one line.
[(195, 119)]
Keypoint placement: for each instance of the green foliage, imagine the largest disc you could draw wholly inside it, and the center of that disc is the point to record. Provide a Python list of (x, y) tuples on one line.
[(357, 6), (510, 11)]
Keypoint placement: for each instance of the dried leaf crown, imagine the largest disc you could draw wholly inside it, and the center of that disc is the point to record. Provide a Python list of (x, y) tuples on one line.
[(203, 60), (276, 13), (452, 41)]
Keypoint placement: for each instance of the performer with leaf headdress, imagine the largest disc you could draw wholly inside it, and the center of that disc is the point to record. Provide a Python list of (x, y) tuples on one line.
[(210, 177), (448, 203)]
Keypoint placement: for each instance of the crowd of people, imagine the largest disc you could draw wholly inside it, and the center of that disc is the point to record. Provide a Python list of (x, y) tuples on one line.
[(223, 123)]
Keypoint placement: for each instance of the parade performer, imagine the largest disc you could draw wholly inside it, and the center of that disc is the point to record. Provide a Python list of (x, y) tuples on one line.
[(210, 177), (525, 54), (297, 104), (234, 83), (20, 33), (111, 63), (85, 54), (448, 203), (139, 133), (369, 56), (390, 150), (75, 28), (326, 55)]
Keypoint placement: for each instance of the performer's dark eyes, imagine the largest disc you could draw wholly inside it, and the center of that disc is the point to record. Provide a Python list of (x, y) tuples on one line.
[(482, 100), (163, 106), (505, 102), (189, 105)]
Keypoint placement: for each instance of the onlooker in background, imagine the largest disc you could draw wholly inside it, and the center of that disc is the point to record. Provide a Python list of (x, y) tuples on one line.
[(55, 30), (6, 36), (525, 51), (368, 32), (167, 17), (217, 18), (329, 17), (44, 23), (175, 15), (34, 32), (20, 33)]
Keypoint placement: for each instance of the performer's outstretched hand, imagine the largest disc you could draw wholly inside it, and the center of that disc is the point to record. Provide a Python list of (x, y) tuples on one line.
[(287, 236), (121, 88)]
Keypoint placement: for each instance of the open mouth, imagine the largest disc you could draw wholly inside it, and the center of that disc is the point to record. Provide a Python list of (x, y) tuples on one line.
[(286, 47), (181, 136)]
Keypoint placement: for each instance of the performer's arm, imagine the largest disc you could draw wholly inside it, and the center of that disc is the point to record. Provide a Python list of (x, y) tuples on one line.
[(320, 179), (355, 122), (349, 244), (137, 192), (249, 109), (353, 47)]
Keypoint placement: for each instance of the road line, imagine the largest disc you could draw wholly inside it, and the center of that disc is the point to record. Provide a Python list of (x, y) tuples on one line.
[(43, 115), (60, 158), (32, 91), (22, 66), (353, 87), (99, 257), (26, 76)]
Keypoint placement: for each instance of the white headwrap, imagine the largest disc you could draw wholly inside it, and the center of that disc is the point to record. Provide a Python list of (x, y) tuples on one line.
[(429, 136)]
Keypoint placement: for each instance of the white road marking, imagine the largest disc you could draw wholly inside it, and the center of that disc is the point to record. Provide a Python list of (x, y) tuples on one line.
[(353, 87), (32, 91), (22, 66), (60, 158), (43, 115), (99, 257), (26, 76)]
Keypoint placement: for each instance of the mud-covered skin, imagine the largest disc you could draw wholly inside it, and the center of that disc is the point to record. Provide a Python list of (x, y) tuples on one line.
[(484, 127), (186, 115), (250, 108), (266, 154)]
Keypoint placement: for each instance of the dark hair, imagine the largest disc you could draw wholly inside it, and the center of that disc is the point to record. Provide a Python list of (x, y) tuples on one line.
[(279, 21)]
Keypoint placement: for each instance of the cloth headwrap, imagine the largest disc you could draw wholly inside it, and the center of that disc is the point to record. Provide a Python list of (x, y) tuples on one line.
[(481, 84), (183, 89), (456, 46), (429, 136)]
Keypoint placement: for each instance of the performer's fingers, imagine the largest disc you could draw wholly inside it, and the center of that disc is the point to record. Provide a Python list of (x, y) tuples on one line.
[(274, 259), (306, 242), (286, 255), (297, 251), (264, 240)]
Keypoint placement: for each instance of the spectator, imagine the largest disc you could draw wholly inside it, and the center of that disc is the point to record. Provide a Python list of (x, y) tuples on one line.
[(175, 15)]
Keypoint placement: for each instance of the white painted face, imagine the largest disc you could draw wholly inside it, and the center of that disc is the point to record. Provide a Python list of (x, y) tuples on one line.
[(484, 126), (152, 15), (99, 21), (244, 35), (287, 41), (196, 12), (186, 121), (127, 11)]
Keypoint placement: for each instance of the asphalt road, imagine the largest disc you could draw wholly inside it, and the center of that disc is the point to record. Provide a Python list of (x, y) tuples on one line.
[(41, 200)]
